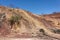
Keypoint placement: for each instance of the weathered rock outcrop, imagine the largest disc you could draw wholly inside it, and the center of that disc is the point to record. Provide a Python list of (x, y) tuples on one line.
[(20, 23)]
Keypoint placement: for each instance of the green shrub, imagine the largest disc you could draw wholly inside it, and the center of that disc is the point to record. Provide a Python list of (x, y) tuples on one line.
[(14, 19)]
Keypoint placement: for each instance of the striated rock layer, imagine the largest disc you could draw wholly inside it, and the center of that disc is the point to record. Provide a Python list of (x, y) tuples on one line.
[(20, 23)]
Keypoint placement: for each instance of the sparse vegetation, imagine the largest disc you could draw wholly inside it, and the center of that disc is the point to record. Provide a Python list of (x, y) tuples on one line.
[(42, 30), (57, 31), (14, 19)]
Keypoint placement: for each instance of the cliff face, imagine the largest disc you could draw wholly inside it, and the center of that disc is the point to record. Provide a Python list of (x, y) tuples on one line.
[(21, 23)]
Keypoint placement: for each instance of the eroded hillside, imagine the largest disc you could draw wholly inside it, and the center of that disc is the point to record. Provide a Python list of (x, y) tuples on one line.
[(20, 23)]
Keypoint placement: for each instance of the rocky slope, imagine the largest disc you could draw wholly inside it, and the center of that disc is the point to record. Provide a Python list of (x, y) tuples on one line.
[(20, 23)]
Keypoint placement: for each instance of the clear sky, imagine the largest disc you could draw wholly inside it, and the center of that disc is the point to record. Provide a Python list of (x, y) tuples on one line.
[(34, 6)]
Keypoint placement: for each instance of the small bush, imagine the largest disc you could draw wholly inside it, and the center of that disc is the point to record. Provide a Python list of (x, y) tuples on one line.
[(14, 19), (57, 31), (42, 30)]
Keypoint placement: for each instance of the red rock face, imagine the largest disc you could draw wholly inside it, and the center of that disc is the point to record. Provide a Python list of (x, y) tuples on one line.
[(54, 19)]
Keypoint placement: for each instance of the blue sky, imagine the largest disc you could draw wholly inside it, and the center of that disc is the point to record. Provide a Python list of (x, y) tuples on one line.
[(34, 6)]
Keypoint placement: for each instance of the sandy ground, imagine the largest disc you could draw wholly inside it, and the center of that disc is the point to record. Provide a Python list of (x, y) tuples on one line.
[(20, 39), (25, 39)]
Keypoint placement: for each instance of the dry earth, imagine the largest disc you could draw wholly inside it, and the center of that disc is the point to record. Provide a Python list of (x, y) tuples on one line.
[(18, 24)]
